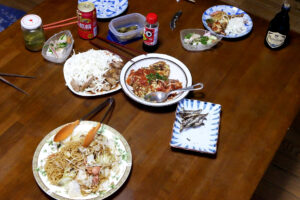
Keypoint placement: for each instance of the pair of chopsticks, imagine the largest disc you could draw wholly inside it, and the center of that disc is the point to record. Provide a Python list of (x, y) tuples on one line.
[(119, 46), (110, 101), (58, 23), (12, 85), (67, 130)]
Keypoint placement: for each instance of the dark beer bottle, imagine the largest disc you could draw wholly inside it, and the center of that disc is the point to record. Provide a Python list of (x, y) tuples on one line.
[(277, 35)]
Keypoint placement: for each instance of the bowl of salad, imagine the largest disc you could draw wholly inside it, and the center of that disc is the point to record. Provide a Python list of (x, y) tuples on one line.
[(198, 39), (57, 48)]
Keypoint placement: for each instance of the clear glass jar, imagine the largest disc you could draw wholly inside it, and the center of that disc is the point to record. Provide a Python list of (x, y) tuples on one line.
[(33, 32)]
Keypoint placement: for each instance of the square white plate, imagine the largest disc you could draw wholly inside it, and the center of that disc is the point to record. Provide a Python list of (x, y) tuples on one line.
[(203, 138)]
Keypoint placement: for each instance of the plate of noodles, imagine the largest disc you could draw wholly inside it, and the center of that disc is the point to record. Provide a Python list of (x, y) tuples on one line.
[(93, 73), (68, 170)]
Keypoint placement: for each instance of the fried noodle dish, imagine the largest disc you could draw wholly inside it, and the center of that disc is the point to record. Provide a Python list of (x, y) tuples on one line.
[(152, 79), (220, 20), (81, 170)]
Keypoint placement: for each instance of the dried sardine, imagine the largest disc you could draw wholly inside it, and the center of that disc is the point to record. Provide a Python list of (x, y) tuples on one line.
[(187, 112), (192, 118)]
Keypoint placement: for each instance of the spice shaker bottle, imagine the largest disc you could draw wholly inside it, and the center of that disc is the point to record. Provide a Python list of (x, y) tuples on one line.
[(150, 36), (33, 32)]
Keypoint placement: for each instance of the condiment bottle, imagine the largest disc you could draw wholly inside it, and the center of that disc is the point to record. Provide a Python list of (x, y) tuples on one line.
[(277, 35), (150, 36), (33, 32)]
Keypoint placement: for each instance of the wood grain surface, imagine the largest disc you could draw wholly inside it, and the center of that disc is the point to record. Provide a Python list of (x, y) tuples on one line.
[(257, 88)]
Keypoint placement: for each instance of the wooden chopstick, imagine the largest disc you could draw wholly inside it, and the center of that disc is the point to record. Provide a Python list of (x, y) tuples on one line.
[(109, 49), (12, 85), (58, 22), (120, 45), (16, 75)]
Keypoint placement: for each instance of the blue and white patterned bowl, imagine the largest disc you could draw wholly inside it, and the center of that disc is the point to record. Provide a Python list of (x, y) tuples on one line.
[(203, 138), (108, 8), (230, 10)]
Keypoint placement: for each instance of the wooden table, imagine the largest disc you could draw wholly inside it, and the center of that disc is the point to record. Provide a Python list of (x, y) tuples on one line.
[(257, 88)]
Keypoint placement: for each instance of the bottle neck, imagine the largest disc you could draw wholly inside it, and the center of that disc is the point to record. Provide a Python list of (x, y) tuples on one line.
[(285, 7)]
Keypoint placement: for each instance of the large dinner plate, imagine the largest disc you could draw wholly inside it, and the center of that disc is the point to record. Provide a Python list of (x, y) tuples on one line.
[(108, 8), (68, 78), (115, 181), (230, 10), (178, 71)]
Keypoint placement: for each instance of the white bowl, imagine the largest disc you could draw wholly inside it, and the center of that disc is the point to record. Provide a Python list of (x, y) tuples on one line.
[(67, 51), (178, 71), (200, 47)]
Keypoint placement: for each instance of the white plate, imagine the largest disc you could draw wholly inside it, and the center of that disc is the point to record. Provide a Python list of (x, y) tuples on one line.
[(203, 138), (108, 8), (68, 80), (230, 10), (178, 71), (115, 181), (84, 94)]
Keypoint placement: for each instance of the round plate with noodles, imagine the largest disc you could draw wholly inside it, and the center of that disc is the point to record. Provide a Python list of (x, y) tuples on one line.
[(67, 170)]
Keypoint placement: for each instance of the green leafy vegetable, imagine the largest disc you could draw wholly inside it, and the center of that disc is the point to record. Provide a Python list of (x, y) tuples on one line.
[(151, 77), (209, 21), (204, 39), (63, 37), (188, 36), (61, 45)]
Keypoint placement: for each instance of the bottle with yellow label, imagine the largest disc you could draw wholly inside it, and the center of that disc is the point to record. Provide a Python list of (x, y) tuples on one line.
[(277, 35)]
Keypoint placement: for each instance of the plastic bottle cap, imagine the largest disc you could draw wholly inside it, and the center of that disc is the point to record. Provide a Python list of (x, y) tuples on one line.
[(151, 18), (31, 21)]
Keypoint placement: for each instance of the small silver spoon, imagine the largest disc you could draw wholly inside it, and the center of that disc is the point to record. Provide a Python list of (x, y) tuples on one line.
[(162, 96)]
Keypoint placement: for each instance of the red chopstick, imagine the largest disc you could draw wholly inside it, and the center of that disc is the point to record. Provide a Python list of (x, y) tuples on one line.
[(119, 45), (53, 25), (58, 22), (61, 25)]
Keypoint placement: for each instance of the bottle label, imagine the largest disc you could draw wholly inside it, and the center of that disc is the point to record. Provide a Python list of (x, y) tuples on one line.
[(150, 36), (275, 39)]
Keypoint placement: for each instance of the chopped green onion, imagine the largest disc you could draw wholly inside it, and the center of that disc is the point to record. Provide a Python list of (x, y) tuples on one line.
[(150, 77)]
